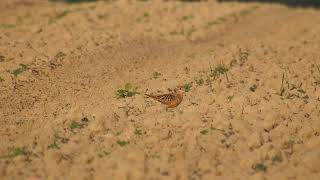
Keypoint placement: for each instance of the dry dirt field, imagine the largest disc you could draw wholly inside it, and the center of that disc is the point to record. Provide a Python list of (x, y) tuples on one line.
[(73, 78)]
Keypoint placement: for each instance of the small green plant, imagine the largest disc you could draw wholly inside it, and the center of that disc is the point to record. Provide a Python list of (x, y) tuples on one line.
[(291, 142), (260, 167), (146, 14), (128, 91), (60, 55), (276, 158), (211, 23), (79, 125), (156, 75), (15, 152), (103, 153), (218, 70), (19, 70), (190, 31), (230, 98), (200, 82), (122, 143), (54, 145), (7, 26), (187, 87), (205, 131), (253, 87), (1, 79), (137, 131)]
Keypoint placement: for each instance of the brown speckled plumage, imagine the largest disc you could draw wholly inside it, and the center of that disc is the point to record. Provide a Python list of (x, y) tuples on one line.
[(170, 100)]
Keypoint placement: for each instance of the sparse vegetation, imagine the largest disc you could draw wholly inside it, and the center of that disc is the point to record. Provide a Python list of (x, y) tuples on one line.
[(260, 167), (19, 70), (122, 143), (199, 82), (276, 159), (291, 142), (218, 70), (230, 98), (79, 125), (60, 55), (190, 31), (128, 91), (205, 131), (137, 131), (54, 145), (7, 26), (103, 154), (75, 125), (211, 23), (15, 152), (156, 75), (1, 79), (187, 87)]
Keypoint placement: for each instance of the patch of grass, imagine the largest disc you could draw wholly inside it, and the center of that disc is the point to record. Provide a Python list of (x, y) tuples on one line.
[(104, 153), (291, 142), (7, 26), (230, 98), (190, 31), (276, 158), (218, 70), (199, 82), (122, 143), (60, 55), (211, 23), (260, 167), (19, 70), (15, 152), (187, 87), (146, 15), (54, 145), (174, 32), (137, 131), (128, 91), (156, 75), (79, 125), (76, 125), (205, 131), (253, 87)]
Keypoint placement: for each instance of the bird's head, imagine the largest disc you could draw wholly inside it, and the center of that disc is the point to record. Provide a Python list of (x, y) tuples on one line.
[(179, 89)]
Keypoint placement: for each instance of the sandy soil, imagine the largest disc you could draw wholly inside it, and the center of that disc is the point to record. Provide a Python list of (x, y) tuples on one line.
[(251, 73)]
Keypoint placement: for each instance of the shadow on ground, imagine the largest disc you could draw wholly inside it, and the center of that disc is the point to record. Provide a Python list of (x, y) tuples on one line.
[(291, 3)]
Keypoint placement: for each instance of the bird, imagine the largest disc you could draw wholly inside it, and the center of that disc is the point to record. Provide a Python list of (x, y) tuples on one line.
[(171, 100)]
